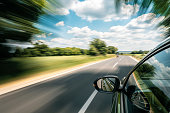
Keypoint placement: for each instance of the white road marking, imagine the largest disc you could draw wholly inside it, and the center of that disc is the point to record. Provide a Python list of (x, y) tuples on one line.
[(20, 85), (134, 59), (115, 64), (85, 106)]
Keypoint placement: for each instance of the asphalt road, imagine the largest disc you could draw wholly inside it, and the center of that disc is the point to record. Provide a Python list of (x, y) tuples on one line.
[(69, 93)]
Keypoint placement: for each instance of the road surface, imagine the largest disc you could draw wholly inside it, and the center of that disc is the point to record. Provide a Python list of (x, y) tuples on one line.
[(72, 93)]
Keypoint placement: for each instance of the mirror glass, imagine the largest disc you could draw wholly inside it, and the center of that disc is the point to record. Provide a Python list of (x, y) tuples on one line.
[(106, 84)]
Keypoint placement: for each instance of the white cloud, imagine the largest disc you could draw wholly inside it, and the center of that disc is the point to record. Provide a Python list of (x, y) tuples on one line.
[(138, 34), (65, 6), (101, 10), (73, 42), (83, 32), (144, 21), (61, 23), (96, 9)]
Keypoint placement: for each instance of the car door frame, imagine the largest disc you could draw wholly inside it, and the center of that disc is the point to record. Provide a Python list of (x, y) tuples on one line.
[(118, 102)]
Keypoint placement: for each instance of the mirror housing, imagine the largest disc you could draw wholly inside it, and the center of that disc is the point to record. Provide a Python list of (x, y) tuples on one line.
[(108, 84)]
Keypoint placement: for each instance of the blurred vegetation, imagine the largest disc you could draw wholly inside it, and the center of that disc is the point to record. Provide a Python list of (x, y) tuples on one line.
[(16, 21), (139, 52), (44, 50), (17, 18), (32, 60), (19, 67), (158, 7), (97, 47), (136, 54)]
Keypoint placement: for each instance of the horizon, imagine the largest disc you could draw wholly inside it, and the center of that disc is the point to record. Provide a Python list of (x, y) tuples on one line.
[(74, 25), (78, 25)]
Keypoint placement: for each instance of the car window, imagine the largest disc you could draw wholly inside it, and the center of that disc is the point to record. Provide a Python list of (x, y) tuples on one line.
[(148, 87)]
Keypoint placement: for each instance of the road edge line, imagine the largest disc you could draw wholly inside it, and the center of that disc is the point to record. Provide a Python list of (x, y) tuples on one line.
[(134, 59), (11, 88)]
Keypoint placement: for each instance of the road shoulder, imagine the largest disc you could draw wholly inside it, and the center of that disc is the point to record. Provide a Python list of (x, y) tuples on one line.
[(21, 83)]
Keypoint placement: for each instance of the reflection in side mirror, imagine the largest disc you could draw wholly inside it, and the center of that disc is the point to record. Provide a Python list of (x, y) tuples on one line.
[(107, 84)]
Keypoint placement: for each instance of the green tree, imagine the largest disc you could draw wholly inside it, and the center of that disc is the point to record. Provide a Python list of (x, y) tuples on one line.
[(35, 53), (48, 53), (27, 52), (76, 51), (103, 50), (42, 48), (84, 51), (139, 52), (111, 50), (93, 51), (99, 45), (18, 52), (68, 51)]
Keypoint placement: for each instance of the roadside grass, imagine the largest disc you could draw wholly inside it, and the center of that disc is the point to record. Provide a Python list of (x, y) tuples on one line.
[(137, 56), (21, 67)]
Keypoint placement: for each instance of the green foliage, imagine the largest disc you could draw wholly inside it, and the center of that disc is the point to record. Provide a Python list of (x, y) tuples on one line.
[(44, 50), (139, 52), (18, 52), (98, 44), (111, 50), (84, 51), (14, 68), (17, 19), (93, 51), (103, 50), (98, 47)]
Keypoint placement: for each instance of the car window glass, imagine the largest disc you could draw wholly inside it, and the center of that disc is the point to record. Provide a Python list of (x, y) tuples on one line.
[(148, 87)]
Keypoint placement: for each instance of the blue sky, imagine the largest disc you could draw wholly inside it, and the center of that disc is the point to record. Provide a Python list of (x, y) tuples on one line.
[(77, 23)]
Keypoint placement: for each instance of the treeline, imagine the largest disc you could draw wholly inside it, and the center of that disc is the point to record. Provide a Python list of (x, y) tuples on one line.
[(139, 52), (44, 50), (97, 47)]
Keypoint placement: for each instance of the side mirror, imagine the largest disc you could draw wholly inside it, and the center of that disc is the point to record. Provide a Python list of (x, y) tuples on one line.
[(108, 84)]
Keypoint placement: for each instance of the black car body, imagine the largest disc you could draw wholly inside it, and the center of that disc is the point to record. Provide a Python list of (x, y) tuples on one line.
[(146, 88)]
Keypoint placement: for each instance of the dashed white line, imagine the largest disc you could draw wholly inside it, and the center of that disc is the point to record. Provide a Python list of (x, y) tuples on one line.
[(87, 103), (115, 64), (85, 106), (19, 85)]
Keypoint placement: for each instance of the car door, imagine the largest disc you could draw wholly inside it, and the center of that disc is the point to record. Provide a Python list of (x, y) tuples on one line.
[(147, 90)]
